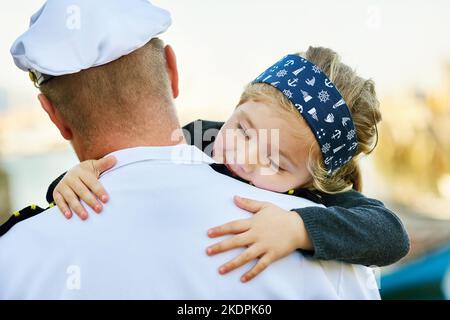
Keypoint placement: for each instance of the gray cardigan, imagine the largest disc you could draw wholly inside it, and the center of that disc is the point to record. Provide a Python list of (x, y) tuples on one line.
[(355, 229)]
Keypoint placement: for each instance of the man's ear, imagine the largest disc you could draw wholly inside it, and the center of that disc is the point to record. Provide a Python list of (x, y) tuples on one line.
[(55, 117), (172, 69)]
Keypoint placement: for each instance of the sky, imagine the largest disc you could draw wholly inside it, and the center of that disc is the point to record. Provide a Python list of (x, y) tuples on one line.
[(222, 45)]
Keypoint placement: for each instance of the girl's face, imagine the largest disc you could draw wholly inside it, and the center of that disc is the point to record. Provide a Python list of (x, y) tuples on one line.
[(266, 145)]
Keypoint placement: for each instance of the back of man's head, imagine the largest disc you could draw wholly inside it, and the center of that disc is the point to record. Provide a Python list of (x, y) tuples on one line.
[(119, 95)]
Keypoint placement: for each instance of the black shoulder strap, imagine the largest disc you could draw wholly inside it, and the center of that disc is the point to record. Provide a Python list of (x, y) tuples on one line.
[(21, 215), (202, 133), (52, 187)]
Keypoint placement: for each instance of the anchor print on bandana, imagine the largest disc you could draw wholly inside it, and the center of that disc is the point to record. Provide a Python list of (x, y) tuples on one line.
[(319, 102)]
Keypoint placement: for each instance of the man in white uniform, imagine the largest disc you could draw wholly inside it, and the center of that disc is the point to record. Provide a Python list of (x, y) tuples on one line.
[(109, 90)]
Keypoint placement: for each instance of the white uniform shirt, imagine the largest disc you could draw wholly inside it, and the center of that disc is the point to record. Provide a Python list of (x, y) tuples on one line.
[(150, 240)]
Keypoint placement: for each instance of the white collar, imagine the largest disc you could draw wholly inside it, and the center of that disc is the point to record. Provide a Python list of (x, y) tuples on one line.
[(178, 154)]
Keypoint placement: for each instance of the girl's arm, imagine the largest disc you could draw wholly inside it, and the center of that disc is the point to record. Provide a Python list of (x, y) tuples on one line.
[(359, 231), (354, 229), (81, 183)]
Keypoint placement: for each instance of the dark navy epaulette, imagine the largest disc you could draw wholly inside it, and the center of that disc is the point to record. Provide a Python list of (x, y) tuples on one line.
[(21, 215)]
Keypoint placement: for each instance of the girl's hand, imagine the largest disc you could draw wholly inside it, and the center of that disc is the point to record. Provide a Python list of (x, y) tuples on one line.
[(81, 183), (269, 235)]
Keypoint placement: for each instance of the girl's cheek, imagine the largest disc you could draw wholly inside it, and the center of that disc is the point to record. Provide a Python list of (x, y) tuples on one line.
[(271, 182), (306, 177), (283, 183)]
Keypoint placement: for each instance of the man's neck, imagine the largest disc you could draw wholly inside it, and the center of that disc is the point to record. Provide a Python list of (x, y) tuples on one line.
[(163, 132)]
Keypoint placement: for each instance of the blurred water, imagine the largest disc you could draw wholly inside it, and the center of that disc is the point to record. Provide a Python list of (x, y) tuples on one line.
[(30, 176)]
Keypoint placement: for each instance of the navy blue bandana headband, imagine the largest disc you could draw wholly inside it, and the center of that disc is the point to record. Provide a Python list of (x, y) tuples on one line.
[(320, 104)]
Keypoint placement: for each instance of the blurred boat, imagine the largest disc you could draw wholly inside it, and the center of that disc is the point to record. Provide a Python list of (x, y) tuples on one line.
[(424, 272), (421, 278)]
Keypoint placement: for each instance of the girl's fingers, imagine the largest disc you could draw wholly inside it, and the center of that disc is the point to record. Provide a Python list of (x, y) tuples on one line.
[(62, 205), (249, 205), (86, 195), (95, 186), (233, 227), (240, 240), (244, 258), (260, 266), (74, 203), (104, 164)]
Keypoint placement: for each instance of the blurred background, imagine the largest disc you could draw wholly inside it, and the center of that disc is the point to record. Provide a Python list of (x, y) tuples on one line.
[(222, 45)]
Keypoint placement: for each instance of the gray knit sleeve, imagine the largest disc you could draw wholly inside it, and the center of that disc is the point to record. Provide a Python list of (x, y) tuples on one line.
[(355, 229)]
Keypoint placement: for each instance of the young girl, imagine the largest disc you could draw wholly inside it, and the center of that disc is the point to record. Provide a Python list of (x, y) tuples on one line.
[(327, 118)]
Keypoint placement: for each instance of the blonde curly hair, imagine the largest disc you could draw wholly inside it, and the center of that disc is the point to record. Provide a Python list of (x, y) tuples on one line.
[(364, 106)]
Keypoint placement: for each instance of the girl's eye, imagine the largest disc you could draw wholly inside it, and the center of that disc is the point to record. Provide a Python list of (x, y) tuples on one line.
[(275, 165)]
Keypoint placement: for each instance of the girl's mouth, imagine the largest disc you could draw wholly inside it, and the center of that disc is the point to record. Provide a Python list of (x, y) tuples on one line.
[(234, 169)]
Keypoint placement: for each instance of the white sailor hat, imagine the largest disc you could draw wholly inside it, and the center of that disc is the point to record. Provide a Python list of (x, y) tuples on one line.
[(67, 36)]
